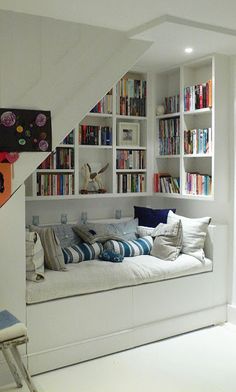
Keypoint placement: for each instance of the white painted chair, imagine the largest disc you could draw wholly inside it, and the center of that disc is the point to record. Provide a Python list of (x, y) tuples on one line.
[(12, 334)]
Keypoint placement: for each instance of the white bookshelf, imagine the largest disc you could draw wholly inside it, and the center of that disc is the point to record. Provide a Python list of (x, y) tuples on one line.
[(98, 155), (187, 165)]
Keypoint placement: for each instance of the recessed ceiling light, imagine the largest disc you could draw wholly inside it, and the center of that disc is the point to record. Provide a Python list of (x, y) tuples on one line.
[(188, 50)]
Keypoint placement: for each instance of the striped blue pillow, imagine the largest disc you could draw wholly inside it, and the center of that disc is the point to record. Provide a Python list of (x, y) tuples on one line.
[(82, 252), (141, 246)]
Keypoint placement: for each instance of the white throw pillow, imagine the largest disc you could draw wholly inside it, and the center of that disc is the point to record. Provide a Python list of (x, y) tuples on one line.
[(194, 234), (143, 231), (168, 241)]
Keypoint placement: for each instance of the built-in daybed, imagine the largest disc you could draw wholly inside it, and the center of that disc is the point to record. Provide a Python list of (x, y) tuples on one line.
[(97, 308)]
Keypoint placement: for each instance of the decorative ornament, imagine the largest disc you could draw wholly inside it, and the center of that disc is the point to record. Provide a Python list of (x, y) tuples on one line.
[(40, 120), (92, 180), (8, 119), (160, 110)]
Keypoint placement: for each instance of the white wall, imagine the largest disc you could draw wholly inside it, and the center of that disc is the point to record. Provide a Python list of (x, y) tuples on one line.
[(59, 66)]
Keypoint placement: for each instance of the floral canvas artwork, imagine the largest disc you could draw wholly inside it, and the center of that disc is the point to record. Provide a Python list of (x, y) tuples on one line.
[(25, 130)]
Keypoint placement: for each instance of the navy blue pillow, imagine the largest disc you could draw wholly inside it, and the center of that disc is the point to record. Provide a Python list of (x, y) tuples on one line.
[(150, 217)]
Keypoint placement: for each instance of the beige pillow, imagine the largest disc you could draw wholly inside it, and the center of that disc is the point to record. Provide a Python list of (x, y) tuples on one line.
[(194, 234), (53, 256), (34, 257), (168, 241)]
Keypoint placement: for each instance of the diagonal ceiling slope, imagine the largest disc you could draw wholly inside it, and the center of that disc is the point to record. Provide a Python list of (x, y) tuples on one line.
[(59, 66)]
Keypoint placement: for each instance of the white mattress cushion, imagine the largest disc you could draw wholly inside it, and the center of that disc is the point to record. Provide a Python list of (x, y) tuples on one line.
[(95, 275)]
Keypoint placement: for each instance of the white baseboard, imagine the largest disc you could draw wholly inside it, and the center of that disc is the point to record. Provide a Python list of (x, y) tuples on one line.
[(231, 314)]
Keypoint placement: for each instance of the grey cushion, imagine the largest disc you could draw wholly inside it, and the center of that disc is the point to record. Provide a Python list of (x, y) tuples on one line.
[(194, 234), (99, 232), (168, 241), (53, 256), (34, 257), (66, 235)]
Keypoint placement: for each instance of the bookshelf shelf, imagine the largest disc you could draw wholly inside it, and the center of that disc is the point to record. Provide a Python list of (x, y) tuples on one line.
[(131, 148), (168, 156), (197, 156), (197, 112), (169, 115), (131, 170), (124, 117), (101, 115), (55, 171), (99, 147)]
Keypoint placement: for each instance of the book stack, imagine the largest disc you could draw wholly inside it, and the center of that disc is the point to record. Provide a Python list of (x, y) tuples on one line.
[(198, 184), (130, 159), (135, 182), (198, 141), (95, 135), (171, 104), (69, 139), (55, 184), (198, 96), (105, 105), (61, 158), (165, 183), (169, 136), (131, 97)]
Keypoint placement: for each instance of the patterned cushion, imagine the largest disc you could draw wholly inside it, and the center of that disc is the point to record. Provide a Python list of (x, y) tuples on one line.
[(66, 235), (53, 256), (143, 231), (168, 241), (100, 232), (141, 246), (34, 257), (108, 255), (82, 252)]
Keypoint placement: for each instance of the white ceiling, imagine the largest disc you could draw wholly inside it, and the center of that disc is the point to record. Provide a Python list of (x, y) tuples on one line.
[(135, 15)]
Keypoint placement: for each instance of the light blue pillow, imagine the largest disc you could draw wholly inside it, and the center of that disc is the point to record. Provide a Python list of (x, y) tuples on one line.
[(141, 246), (82, 252)]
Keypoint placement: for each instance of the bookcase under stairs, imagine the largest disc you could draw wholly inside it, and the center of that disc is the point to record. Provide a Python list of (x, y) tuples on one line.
[(112, 138), (186, 131), (169, 154)]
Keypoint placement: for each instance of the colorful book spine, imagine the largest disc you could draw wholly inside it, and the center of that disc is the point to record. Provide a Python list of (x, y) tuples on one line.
[(198, 96), (198, 141), (131, 97), (169, 136), (198, 184), (165, 183), (130, 159), (55, 184), (131, 182), (104, 105)]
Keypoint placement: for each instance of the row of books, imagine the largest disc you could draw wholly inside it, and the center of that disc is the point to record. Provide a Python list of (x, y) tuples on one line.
[(198, 96), (61, 158), (169, 136), (169, 145), (130, 159), (95, 135), (198, 141), (69, 139), (171, 104), (169, 127), (105, 105), (198, 184), (135, 182), (165, 183), (55, 184), (131, 97)]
